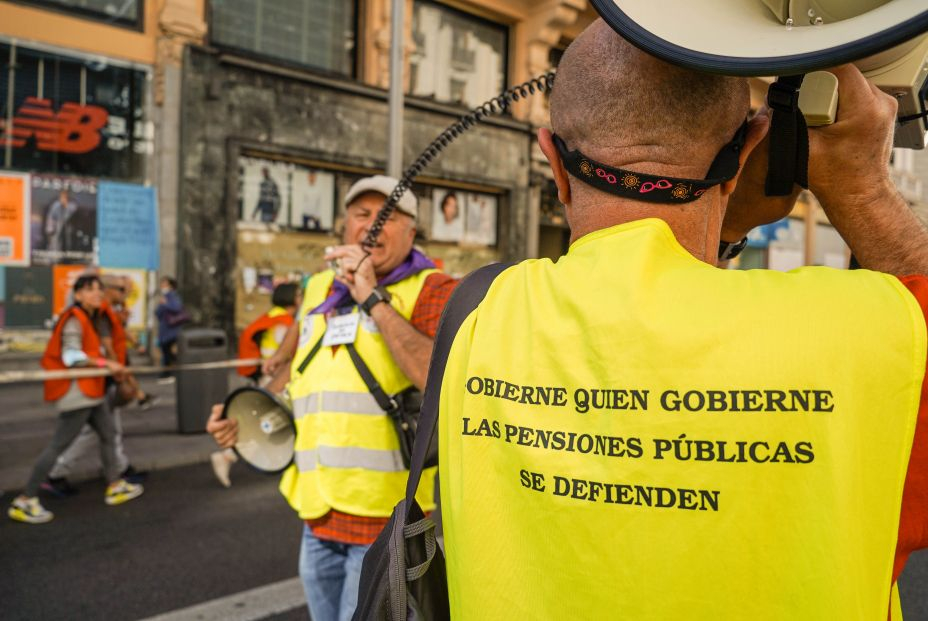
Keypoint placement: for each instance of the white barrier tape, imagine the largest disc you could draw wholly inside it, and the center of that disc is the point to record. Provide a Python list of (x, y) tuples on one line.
[(13, 377)]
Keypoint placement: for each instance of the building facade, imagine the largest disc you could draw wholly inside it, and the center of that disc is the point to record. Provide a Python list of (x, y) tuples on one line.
[(89, 113), (285, 105), (251, 118)]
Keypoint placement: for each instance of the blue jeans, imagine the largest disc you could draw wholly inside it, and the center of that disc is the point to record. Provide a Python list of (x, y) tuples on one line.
[(331, 573)]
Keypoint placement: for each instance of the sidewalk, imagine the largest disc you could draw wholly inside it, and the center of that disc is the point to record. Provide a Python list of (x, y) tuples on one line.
[(151, 439)]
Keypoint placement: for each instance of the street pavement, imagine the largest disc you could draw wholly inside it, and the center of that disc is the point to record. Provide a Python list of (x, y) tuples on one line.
[(185, 542)]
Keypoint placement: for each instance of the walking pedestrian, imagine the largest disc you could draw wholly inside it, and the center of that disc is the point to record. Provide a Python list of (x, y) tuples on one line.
[(75, 343), (171, 316)]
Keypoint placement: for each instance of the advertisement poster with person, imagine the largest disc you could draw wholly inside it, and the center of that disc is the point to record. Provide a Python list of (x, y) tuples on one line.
[(264, 190), (312, 205), (447, 215), (64, 220), (480, 227), (14, 219)]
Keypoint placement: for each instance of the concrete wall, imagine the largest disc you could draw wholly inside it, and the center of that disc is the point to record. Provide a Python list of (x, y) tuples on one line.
[(229, 104)]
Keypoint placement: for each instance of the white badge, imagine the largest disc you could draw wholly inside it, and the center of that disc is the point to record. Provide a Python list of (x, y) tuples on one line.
[(342, 329)]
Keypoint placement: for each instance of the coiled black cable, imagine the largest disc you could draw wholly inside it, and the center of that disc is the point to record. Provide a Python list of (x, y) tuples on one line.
[(496, 105)]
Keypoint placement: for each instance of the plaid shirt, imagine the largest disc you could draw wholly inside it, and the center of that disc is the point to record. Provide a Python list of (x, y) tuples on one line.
[(358, 530)]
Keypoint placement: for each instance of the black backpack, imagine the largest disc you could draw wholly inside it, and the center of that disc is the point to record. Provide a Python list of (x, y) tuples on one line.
[(403, 576)]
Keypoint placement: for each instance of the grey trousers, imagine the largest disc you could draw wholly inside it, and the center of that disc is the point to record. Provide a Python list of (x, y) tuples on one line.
[(86, 441), (69, 425)]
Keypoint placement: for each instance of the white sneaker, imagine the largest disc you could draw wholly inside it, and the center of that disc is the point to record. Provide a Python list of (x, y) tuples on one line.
[(222, 463), (122, 491), (29, 510)]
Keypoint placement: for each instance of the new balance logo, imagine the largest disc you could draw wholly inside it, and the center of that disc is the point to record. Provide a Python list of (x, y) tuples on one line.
[(73, 129)]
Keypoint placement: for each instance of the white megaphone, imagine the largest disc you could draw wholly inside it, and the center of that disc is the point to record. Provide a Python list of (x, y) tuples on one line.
[(884, 38), (266, 432)]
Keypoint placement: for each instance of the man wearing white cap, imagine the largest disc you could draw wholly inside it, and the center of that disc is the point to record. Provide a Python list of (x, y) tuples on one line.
[(375, 314)]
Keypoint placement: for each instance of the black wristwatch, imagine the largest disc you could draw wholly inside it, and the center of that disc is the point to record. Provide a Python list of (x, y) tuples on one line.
[(378, 295), (730, 250)]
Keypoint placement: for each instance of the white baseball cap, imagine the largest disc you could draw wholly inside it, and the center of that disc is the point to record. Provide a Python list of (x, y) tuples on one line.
[(383, 184)]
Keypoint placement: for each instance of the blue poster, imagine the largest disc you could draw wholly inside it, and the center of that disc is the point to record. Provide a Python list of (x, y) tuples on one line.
[(127, 225)]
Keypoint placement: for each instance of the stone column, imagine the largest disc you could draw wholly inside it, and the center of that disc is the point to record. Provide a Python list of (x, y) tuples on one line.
[(181, 22)]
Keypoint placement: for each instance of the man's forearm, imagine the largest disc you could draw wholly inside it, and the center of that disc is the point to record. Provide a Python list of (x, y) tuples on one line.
[(411, 350), (882, 232), (288, 346)]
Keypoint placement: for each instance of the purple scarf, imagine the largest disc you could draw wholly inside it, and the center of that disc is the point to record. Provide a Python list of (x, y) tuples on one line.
[(414, 263)]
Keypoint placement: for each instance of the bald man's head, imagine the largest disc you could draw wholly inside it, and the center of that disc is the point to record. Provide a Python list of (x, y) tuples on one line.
[(626, 108)]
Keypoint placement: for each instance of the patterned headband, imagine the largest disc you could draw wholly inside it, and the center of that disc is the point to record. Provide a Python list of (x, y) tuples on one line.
[(652, 188)]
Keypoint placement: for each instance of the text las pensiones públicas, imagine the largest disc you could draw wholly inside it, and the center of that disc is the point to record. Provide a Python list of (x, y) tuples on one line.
[(680, 448)]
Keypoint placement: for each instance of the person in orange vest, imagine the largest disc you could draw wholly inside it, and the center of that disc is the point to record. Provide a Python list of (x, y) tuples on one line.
[(631, 432), (261, 339), (75, 343), (110, 325)]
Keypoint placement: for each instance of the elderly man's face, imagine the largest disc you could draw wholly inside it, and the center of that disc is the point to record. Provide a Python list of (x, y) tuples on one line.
[(396, 238)]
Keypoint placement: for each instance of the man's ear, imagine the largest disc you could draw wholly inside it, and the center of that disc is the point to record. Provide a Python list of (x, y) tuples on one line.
[(546, 142), (757, 131)]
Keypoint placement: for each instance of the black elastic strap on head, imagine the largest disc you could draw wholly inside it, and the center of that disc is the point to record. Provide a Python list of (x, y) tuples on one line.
[(652, 188), (789, 138)]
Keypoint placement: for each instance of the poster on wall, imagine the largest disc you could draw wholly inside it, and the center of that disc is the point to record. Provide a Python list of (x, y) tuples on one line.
[(64, 219), (264, 192), (63, 277), (312, 204), (447, 215), (14, 219), (127, 225), (133, 281), (28, 298), (480, 224)]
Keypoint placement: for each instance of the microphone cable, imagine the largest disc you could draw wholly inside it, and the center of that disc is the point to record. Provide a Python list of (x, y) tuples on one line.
[(497, 105)]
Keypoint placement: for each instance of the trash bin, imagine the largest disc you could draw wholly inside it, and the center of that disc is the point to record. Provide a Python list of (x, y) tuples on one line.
[(198, 390)]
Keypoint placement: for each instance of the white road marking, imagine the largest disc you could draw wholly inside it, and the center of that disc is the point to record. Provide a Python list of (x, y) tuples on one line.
[(259, 603)]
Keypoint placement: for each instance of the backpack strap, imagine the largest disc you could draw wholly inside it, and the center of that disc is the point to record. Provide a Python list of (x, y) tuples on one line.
[(466, 297)]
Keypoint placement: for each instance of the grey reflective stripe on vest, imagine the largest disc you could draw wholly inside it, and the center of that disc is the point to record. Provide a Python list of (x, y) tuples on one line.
[(349, 457), (305, 460), (336, 401)]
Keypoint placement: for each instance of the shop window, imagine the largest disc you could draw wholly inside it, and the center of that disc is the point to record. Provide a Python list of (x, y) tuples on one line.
[(120, 12), (286, 194), (463, 217), (72, 115), (458, 58), (313, 33)]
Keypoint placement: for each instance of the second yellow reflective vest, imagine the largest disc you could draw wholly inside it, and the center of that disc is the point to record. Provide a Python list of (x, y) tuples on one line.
[(347, 452)]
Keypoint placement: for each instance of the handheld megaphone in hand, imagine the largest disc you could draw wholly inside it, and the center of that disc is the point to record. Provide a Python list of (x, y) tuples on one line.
[(266, 432)]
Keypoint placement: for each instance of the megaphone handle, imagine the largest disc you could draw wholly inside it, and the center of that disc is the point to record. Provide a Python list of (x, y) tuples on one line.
[(788, 161)]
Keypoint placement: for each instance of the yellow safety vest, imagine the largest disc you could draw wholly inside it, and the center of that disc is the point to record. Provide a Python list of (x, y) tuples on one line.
[(269, 343), (347, 452), (630, 433)]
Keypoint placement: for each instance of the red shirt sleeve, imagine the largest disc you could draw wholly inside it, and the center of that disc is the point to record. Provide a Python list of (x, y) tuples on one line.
[(913, 521), (431, 302)]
